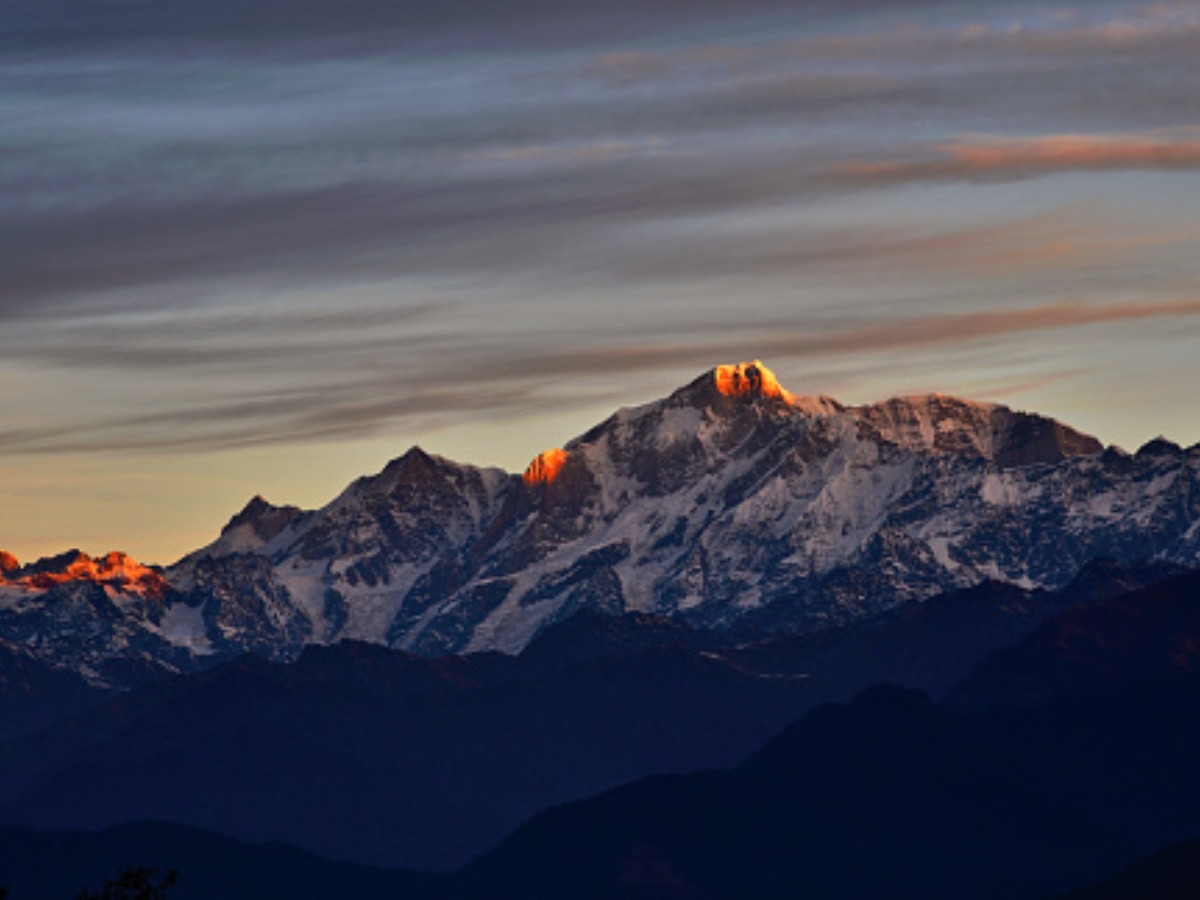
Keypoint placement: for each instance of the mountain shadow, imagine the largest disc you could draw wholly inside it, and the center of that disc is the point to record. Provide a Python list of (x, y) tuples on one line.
[(42, 865), (1000, 793)]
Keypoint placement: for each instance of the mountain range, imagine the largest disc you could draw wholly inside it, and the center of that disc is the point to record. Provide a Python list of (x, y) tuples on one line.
[(732, 505)]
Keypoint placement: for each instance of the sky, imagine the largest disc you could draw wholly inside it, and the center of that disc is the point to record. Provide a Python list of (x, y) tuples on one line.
[(254, 247)]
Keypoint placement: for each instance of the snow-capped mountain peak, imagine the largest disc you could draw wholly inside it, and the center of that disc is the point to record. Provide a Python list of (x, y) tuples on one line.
[(751, 379), (730, 388), (732, 503)]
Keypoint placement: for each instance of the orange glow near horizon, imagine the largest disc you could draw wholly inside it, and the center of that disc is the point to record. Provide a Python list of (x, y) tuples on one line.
[(545, 467)]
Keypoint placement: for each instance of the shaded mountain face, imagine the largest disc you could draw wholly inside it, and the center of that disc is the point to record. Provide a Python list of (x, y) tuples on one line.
[(1146, 633), (424, 762), (43, 865), (362, 752), (33, 694), (1019, 796), (933, 645), (1173, 874), (732, 504), (889, 796)]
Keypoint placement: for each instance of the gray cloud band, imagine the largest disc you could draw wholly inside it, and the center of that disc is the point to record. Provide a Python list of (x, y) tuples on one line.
[(80, 24), (511, 381)]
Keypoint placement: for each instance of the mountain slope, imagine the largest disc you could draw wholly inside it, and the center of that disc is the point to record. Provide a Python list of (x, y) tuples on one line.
[(40, 865)]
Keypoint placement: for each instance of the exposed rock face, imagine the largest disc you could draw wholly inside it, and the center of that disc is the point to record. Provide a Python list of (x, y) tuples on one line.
[(732, 503)]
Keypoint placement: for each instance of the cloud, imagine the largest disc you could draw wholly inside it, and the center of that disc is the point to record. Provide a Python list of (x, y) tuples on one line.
[(576, 152), (1092, 68), (884, 336), (424, 390), (1074, 239), (1004, 391), (1115, 31), (932, 330), (469, 23), (189, 173), (1009, 158), (545, 219), (305, 414), (537, 219)]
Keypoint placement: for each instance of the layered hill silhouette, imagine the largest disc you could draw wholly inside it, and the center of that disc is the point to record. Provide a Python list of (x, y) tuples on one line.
[(45, 865), (997, 795), (990, 795), (366, 753)]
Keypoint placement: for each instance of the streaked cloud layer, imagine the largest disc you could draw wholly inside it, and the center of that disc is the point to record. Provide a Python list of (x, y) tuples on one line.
[(327, 231), (1015, 158)]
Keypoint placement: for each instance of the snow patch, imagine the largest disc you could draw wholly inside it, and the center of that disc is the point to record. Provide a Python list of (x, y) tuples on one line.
[(678, 423), (998, 489), (372, 610), (184, 626), (305, 583), (941, 552)]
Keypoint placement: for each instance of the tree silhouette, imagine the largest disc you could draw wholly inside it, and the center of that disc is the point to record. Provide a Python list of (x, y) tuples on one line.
[(133, 883)]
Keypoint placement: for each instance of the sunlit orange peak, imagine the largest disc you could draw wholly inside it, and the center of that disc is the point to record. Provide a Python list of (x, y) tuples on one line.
[(749, 379), (545, 468), (8, 562), (115, 569)]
